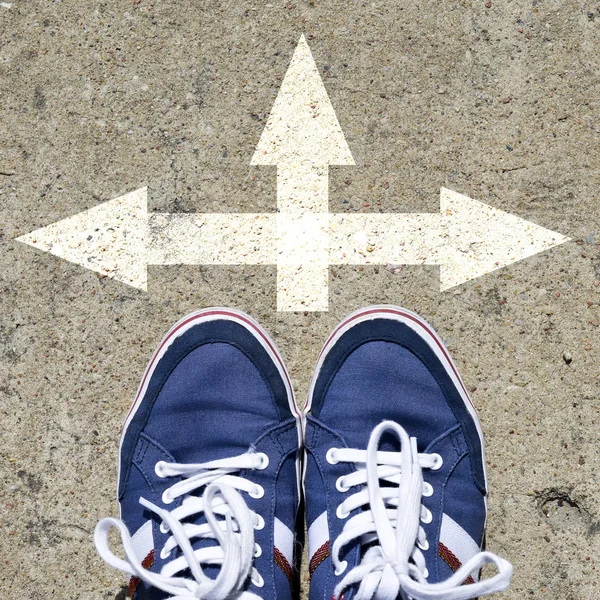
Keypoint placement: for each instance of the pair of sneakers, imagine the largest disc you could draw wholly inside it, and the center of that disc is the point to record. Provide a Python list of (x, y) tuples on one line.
[(388, 456)]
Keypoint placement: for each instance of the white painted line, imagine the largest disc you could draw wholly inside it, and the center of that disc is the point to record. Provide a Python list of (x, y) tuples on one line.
[(211, 239), (302, 261), (302, 137)]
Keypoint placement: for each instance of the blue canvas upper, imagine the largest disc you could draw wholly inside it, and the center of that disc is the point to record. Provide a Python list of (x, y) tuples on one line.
[(215, 393), (380, 370)]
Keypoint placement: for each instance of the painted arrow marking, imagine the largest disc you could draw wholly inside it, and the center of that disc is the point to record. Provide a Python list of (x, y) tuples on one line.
[(302, 137), (119, 239), (467, 238)]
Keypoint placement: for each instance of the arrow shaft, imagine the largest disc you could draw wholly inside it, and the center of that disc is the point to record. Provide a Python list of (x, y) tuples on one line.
[(302, 187), (211, 239), (305, 242), (302, 237), (387, 238)]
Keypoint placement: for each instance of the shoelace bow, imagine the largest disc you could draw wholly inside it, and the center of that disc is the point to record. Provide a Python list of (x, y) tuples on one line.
[(395, 567), (235, 533)]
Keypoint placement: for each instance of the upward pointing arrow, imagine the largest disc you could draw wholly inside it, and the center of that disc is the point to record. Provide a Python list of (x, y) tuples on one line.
[(302, 126), (302, 137)]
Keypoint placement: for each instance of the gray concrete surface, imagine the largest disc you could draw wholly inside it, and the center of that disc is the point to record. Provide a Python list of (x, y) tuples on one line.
[(497, 100)]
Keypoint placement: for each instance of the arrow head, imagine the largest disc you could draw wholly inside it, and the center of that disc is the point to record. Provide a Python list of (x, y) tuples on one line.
[(109, 238), (302, 126), (480, 239)]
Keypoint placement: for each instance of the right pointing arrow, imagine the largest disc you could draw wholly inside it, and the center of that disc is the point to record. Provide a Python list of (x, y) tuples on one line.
[(466, 238)]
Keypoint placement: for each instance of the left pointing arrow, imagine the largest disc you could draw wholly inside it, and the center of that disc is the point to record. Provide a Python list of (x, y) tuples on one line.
[(119, 238), (109, 238)]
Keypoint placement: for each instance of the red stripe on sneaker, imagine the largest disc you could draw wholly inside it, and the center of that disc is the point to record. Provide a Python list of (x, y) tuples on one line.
[(283, 564), (318, 557), (451, 560), (134, 582)]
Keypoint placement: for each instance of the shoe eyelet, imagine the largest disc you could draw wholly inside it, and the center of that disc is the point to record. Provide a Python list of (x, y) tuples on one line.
[(257, 551), (158, 469), (340, 514), (260, 523), (339, 486), (260, 492), (330, 456), (166, 498), (264, 461), (427, 490), (343, 566), (259, 582), (425, 573), (164, 555), (163, 529), (439, 461), (428, 517), (423, 546)]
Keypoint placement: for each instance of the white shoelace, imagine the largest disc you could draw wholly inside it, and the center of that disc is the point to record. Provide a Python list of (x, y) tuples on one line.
[(234, 533), (395, 567)]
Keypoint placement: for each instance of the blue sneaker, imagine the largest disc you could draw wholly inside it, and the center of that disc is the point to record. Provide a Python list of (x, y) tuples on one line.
[(395, 476), (209, 467)]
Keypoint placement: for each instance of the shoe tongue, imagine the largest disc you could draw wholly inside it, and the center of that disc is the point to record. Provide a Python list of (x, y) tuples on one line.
[(389, 442)]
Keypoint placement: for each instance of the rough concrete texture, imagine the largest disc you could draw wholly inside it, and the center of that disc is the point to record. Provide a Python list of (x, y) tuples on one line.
[(497, 100)]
